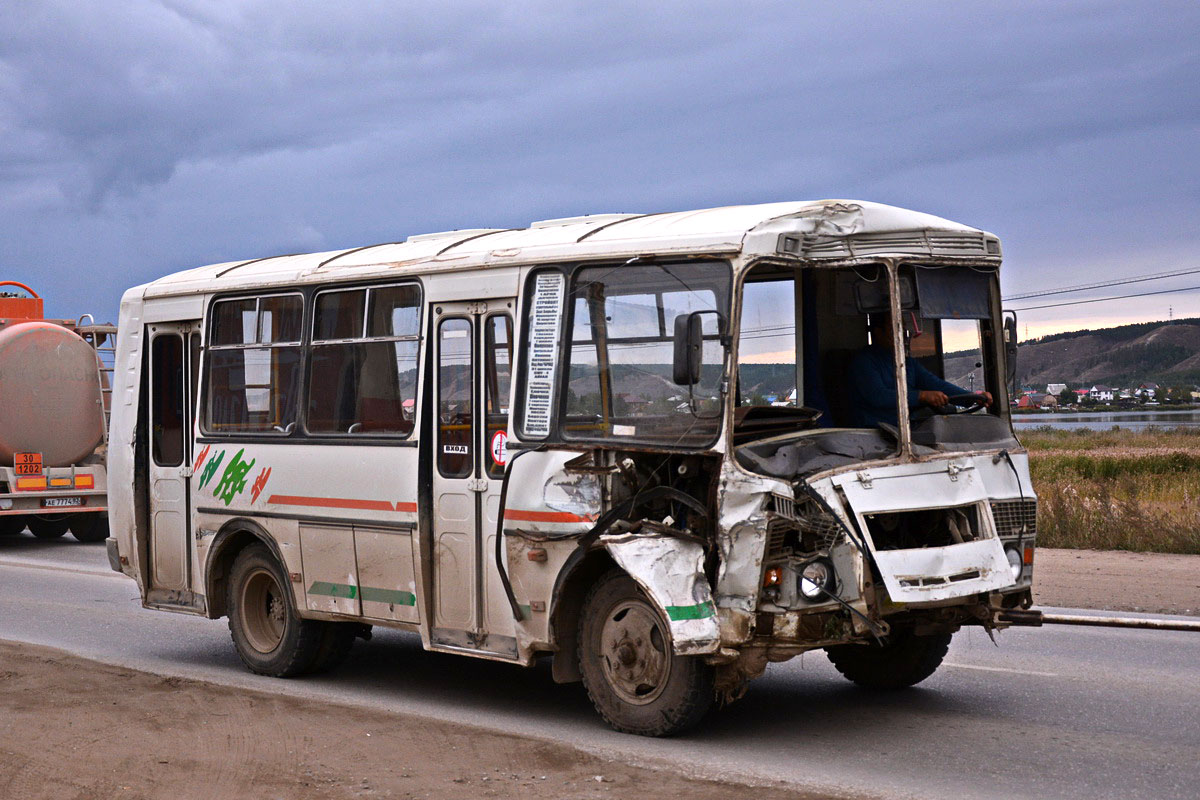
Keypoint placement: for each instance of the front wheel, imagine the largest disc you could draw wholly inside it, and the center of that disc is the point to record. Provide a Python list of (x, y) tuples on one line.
[(632, 675), (270, 637), (903, 660)]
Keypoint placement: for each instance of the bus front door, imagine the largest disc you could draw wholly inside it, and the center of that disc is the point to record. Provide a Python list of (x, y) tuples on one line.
[(473, 361), (174, 364)]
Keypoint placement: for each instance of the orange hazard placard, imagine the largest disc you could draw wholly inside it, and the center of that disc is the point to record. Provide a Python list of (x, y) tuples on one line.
[(28, 463)]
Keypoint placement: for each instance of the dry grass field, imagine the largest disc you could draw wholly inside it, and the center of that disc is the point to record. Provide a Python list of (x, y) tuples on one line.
[(1117, 490)]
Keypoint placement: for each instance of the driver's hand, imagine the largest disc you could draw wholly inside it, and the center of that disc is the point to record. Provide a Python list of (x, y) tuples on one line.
[(933, 399), (988, 395)]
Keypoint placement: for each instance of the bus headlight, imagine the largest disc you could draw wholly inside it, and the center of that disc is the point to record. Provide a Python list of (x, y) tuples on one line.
[(817, 579), (1014, 562)]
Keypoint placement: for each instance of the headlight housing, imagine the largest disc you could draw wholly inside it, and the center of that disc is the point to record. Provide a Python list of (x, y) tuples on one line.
[(817, 579), (1014, 562)]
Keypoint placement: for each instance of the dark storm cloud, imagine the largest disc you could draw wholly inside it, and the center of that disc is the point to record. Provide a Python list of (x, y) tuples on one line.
[(141, 137)]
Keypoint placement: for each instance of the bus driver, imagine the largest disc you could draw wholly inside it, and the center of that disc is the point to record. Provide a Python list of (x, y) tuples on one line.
[(872, 379)]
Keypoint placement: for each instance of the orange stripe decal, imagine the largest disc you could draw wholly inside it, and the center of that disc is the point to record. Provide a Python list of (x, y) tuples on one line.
[(329, 502), (519, 515), (339, 502)]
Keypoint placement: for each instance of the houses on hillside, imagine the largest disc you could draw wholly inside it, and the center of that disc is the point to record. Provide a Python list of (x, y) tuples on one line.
[(1148, 393)]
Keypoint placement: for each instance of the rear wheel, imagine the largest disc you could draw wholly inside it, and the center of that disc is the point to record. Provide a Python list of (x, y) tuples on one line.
[(90, 527), (904, 660), (270, 637), (634, 678), (48, 527), (11, 526)]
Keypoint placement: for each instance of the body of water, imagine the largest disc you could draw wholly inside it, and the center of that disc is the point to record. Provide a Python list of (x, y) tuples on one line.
[(1104, 420)]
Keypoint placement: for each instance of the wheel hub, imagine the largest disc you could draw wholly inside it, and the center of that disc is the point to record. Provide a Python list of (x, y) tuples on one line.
[(635, 653)]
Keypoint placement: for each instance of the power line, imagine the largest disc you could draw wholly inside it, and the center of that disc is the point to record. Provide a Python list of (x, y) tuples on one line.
[(1102, 284), (1105, 299)]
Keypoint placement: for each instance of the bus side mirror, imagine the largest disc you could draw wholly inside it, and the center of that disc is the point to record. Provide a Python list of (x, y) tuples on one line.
[(1010, 349), (689, 345)]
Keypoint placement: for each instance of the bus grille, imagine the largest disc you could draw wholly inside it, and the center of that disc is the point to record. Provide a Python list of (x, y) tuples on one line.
[(799, 527), (1011, 515)]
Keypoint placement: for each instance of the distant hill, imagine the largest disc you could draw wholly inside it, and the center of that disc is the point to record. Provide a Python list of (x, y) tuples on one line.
[(1167, 353)]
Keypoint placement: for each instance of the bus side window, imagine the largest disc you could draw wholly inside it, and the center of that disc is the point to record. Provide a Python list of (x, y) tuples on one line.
[(254, 359), (497, 367), (364, 361)]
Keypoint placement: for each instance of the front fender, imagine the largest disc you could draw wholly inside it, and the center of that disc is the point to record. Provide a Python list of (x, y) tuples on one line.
[(671, 572)]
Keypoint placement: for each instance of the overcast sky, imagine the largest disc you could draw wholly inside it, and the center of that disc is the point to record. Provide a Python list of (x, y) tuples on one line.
[(140, 137)]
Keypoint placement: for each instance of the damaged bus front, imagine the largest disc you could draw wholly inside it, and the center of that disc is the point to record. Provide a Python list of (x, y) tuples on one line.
[(829, 464)]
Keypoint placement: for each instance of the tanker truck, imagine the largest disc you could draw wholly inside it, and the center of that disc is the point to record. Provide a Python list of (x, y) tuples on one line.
[(54, 400)]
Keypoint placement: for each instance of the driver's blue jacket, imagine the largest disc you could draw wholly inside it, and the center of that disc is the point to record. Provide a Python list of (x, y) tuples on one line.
[(872, 379)]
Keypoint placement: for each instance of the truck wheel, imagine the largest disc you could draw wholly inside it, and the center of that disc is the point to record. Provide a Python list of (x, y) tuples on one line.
[(90, 527), (11, 526), (48, 527), (904, 660), (269, 636), (634, 679)]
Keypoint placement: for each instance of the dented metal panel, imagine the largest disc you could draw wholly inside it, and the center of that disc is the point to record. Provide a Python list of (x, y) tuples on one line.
[(930, 574), (671, 571), (544, 497)]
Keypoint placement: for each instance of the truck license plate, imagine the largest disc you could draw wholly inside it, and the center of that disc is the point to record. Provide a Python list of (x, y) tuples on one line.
[(60, 502)]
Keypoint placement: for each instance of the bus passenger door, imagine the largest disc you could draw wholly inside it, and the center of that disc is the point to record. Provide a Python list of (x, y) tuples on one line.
[(174, 363), (469, 337)]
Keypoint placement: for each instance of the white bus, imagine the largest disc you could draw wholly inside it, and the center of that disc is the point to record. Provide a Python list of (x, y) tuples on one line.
[(662, 449)]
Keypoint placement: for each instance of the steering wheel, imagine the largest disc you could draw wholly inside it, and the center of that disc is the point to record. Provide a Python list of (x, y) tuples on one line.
[(962, 404)]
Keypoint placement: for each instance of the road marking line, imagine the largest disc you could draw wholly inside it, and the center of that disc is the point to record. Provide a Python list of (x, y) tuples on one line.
[(1003, 669), (57, 568)]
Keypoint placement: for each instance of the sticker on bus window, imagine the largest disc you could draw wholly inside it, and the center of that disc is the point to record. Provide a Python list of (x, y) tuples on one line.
[(28, 463), (499, 447), (544, 320), (624, 430), (455, 449)]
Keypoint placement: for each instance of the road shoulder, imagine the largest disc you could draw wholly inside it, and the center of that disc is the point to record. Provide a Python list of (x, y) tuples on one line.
[(1115, 580)]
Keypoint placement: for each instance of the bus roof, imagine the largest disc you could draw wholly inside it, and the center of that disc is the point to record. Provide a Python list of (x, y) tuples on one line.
[(728, 230)]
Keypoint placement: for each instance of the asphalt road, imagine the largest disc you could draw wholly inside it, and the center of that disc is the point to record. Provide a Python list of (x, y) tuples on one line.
[(1056, 712)]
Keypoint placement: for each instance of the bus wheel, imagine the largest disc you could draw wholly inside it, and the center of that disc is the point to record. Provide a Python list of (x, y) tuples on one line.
[(48, 527), (270, 637), (905, 660), (11, 526), (631, 674), (90, 527)]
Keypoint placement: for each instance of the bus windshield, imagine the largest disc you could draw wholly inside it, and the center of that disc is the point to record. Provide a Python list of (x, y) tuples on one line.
[(621, 322)]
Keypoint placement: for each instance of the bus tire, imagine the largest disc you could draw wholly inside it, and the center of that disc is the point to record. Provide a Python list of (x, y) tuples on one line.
[(11, 526), (634, 679), (270, 637), (48, 527), (90, 527), (904, 660), (336, 640)]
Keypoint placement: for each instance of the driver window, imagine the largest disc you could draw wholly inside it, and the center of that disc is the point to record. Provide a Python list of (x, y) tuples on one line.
[(767, 354)]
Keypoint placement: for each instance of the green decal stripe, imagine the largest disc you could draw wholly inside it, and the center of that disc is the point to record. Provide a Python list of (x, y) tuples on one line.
[(368, 593), (699, 611), (393, 596), (328, 589)]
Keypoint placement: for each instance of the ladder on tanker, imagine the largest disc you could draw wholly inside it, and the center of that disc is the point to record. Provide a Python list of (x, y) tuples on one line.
[(103, 339)]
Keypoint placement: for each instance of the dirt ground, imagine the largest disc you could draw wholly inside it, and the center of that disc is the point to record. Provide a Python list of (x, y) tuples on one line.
[(71, 729), (1155, 583), (77, 730)]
